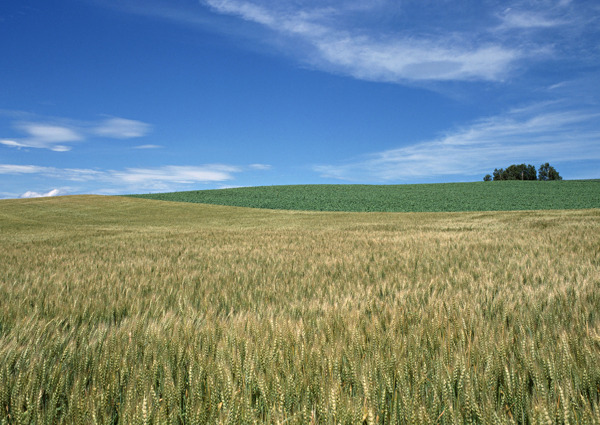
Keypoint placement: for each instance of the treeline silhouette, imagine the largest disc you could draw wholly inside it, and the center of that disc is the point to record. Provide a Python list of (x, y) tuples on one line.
[(524, 172)]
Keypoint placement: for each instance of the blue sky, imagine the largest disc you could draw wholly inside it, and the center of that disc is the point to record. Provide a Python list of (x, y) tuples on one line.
[(138, 96)]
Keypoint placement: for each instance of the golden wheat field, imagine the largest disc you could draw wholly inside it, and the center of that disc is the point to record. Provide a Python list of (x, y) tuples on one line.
[(129, 311)]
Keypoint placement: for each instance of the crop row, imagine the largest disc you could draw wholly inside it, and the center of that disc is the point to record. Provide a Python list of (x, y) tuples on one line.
[(480, 196), (127, 311)]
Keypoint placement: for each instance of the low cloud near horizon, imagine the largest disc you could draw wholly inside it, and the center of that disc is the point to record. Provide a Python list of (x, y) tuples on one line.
[(130, 180), (535, 134), (31, 194)]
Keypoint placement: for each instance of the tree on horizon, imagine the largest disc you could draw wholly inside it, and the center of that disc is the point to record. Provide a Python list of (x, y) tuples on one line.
[(524, 172), (548, 172)]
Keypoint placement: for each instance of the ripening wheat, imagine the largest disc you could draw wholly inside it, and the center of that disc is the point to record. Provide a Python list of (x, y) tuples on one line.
[(129, 311)]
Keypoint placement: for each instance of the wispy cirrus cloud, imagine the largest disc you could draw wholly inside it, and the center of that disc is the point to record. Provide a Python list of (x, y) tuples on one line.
[(176, 174), (402, 42), (59, 134), (376, 56), (44, 136), (70, 174), (535, 134), (168, 173), (546, 14), (397, 42), (511, 20), (147, 147), (121, 128), (260, 167), (130, 180), (23, 169)]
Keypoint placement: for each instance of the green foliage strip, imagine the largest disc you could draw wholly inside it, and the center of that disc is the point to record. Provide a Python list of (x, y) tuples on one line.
[(446, 197)]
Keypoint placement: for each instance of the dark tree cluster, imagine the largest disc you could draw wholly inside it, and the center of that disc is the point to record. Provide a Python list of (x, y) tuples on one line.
[(547, 172), (524, 172)]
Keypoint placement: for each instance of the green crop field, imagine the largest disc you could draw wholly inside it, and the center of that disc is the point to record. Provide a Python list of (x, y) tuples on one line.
[(119, 310), (479, 196)]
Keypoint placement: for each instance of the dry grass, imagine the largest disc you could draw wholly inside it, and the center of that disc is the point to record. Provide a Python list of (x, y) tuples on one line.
[(121, 310)]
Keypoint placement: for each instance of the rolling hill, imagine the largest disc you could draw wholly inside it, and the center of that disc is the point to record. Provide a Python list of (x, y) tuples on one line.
[(445, 197)]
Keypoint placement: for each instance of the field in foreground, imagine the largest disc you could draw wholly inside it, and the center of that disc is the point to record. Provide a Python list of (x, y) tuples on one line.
[(118, 310), (475, 196)]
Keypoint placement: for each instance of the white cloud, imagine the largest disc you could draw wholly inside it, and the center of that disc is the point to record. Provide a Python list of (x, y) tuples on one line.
[(528, 20), (121, 128), (45, 133), (246, 10), (262, 167), (30, 194), (176, 174), (44, 136), (60, 148), (22, 169), (71, 174), (399, 60), (524, 20), (11, 143), (540, 15), (147, 147), (531, 135), (58, 134), (376, 56), (77, 174), (407, 42), (133, 179)]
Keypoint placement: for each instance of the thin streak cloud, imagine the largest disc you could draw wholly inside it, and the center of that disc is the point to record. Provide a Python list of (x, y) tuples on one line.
[(522, 135), (168, 173), (147, 147), (60, 134), (527, 20), (121, 128), (176, 174), (396, 42), (378, 57), (135, 180), (23, 169)]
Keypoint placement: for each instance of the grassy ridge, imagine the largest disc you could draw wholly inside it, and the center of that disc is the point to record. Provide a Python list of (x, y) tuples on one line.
[(124, 311), (479, 196)]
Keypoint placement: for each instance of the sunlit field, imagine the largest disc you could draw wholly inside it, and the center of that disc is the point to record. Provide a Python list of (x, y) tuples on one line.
[(510, 195), (120, 310)]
